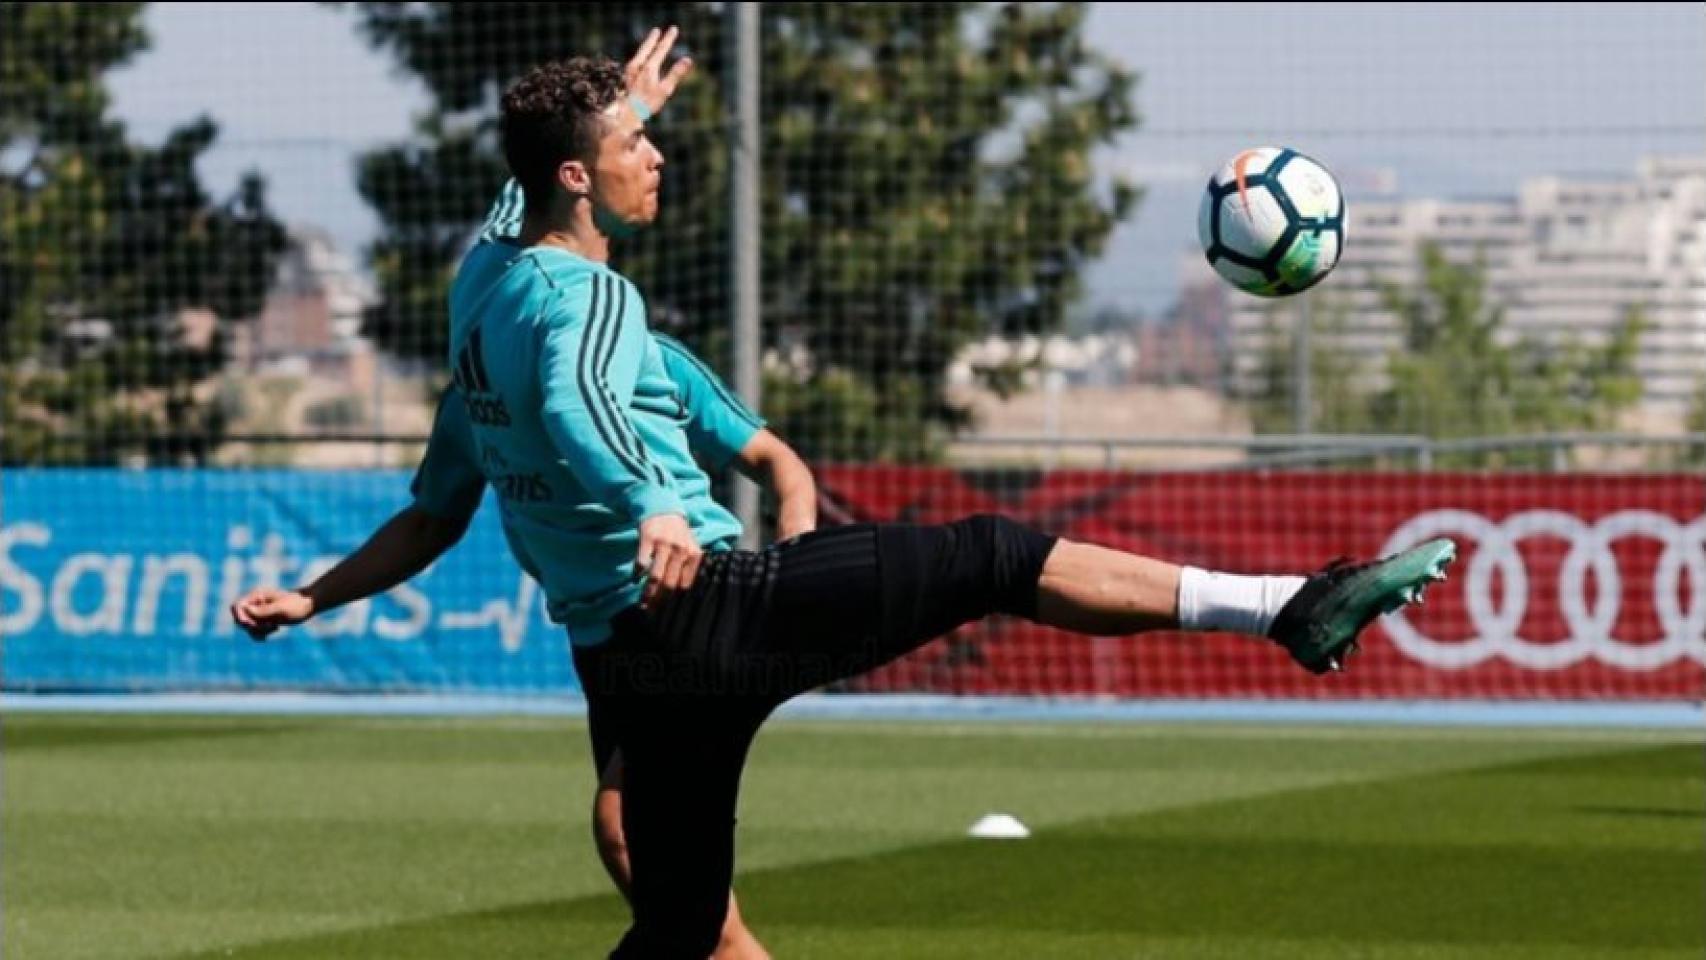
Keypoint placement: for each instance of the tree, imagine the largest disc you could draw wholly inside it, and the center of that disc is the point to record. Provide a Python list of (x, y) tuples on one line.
[(1337, 397), (926, 172), (1456, 375), (102, 244)]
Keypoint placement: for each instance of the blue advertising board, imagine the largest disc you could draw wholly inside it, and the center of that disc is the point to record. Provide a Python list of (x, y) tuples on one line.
[(120, 580)]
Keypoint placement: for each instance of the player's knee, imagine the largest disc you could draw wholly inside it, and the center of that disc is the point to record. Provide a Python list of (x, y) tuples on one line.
[(983, 534), (1014, 555)]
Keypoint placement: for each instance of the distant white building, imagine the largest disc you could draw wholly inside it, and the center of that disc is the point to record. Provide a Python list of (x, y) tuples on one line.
[(1566, 257)]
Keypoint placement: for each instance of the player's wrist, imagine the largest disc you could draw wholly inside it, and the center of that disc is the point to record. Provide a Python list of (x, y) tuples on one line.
[(650, 502), (664, 519), (316, 603)]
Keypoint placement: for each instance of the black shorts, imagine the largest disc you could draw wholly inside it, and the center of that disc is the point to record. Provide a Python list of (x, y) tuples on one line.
[(683, 689), (827, 606)]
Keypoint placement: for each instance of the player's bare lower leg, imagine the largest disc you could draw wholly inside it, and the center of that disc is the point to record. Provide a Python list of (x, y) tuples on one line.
[(1109, 593), (1102, 592), (737, 942)]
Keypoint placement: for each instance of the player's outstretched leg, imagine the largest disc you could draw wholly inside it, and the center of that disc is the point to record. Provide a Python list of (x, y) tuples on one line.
[(1317, 619), (840, 602)]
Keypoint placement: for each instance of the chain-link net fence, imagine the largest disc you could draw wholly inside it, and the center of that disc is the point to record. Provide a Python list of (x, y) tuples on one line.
[(227, 234)]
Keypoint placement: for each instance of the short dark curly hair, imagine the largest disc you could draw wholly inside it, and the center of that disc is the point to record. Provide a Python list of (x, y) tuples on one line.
[(552, 114)]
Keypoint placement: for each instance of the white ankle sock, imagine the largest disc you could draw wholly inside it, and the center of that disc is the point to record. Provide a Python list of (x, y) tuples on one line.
[(1224, 601)]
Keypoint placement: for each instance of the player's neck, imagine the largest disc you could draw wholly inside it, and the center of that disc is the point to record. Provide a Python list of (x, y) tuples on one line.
[(579, 237)]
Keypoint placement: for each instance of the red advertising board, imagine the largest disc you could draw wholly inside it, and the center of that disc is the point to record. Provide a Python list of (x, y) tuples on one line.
[(1566, 586)]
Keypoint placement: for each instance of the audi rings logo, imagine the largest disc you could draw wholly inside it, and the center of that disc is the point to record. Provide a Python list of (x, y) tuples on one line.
[(1496, 626)]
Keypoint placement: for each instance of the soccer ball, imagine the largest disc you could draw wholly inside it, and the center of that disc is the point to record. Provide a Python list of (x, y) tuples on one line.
[(1272, 222)]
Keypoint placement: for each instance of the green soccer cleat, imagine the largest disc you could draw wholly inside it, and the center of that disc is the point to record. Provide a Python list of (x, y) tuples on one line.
[(1320, 625)]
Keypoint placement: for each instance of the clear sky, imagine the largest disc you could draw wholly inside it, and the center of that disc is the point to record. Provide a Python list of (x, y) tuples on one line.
[(1451, 99)]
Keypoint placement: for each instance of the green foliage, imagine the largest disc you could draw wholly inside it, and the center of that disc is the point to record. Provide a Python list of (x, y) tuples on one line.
[(849, 421), (1456, 375), (102, 244), (1694, 454), (926, 180), (1335, 390)]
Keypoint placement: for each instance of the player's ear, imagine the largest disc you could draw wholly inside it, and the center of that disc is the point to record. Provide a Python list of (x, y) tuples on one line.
[(573, 176)]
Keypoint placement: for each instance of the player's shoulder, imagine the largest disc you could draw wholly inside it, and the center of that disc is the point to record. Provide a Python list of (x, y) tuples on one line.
[(576, 290), (673, 348), (690, 373), (680, 361), (554, 268)]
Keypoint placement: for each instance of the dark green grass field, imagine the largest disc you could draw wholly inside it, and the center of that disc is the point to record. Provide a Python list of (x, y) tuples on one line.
[(329, 838)]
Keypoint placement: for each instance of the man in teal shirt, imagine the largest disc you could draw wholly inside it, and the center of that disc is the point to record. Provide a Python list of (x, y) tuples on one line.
[(581, 422), (447, 490), (685, 644)]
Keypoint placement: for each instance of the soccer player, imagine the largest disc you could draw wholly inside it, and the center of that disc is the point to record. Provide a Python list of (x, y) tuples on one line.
[(447, 490), (685, 643)]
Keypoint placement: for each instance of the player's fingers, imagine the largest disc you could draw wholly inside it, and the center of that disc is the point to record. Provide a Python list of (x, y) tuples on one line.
[(689, 572), (252, 603), (676, 74), (661, 51), (647, 554), (684, 564), (638, 60), (650, 567), (667, 576)]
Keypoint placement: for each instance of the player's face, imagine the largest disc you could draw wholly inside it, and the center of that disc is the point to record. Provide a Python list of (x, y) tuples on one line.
[(627, 173)]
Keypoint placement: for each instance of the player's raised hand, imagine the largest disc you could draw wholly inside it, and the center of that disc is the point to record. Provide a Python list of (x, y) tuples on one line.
[(668, 557), (644, 72), (262, 611)]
